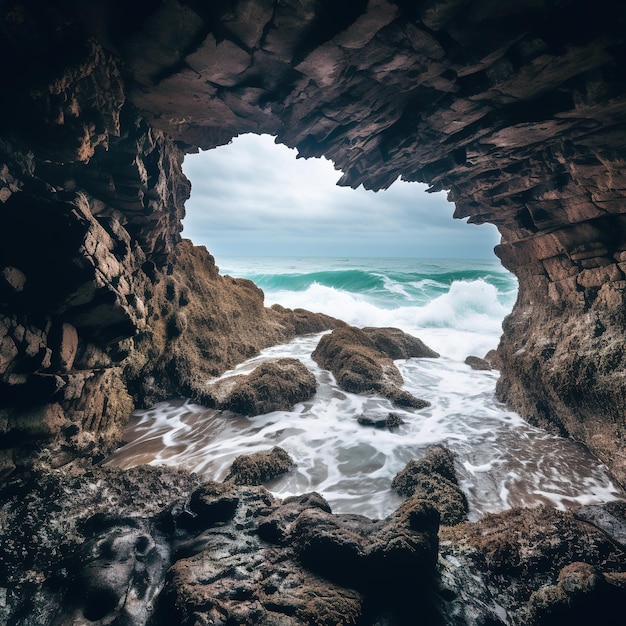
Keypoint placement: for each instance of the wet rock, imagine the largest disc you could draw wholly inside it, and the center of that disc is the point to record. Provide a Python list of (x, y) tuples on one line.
[(201, 324), (360, 367), (397, 344), (609, 517), (476, 363), (380, 420), (520, 552), (232, 573), (519, 113), (580, 593), (493, 359), (272, 386), (276, 526), (433, 478), (153, 545), (371, 555), (304, 322), (260, 467), (118, 575), (84, 547)]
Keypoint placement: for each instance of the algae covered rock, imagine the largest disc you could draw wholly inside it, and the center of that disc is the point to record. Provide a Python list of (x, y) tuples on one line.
[(397, 344), (272, 386), (359, 366), (260, 467), (433, 478)]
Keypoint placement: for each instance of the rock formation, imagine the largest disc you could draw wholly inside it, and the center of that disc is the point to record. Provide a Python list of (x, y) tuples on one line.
[(260, 467), (517, 108), (359, 366), (272, 386), (433, 478)]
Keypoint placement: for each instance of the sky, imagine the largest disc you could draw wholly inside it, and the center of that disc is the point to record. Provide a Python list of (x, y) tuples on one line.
[(254, 198)]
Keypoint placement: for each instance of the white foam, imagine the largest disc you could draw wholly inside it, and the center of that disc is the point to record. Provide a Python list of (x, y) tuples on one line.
[(501, 459)]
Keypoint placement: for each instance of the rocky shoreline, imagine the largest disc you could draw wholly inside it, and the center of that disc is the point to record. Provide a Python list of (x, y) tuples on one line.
[(151, 546), (158, 546), (518, 110)]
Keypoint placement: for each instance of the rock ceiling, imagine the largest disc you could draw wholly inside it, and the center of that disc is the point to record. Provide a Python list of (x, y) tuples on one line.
[(517, 108)]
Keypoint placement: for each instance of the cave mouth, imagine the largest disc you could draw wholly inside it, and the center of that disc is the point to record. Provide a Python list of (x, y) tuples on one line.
[(255, 197)]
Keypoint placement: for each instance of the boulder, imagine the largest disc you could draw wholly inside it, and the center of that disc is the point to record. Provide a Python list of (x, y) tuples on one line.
[(476, 363), (260, 467), (354, 550), (272, 386), (397, 344), (433, 478), (380, 420), (360, 367)]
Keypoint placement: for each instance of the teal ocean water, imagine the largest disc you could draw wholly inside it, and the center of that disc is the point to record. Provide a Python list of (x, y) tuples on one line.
[(459, 304), (456, 307)]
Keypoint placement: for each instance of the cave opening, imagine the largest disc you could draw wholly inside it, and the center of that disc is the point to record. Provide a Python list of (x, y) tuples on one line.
[(255, 197)]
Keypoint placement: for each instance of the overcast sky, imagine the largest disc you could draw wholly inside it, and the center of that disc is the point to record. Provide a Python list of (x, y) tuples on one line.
[(254, 198)]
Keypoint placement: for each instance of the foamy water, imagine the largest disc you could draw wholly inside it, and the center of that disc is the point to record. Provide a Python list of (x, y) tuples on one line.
[(502, 461)]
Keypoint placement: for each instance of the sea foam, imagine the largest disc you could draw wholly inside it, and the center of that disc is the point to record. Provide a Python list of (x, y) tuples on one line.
[(454, 308)]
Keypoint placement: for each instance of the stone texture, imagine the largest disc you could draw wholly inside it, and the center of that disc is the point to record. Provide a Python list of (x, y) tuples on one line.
[(434, 478), (518, 111), (154, 545), (360, 367), (380, 419), (476, 363), (557, 569), (272, 386), (260, 467), (397, 344), (175, 551), (200, 324)]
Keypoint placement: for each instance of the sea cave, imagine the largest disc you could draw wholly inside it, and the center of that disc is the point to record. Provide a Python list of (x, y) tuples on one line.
[(517, 110)]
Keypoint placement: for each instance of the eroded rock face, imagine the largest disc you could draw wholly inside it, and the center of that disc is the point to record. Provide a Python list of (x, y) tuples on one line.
[(557, 568), (155, 546), (517, 110), (175, 551)]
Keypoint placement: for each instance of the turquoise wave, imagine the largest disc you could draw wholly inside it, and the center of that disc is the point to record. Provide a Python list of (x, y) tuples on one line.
[(399, 287), (354, 281)]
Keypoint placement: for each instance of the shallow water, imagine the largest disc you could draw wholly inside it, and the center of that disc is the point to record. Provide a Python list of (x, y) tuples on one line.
[(502, 461)]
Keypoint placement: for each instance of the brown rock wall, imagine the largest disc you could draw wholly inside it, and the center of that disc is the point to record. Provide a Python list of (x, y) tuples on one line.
[(517, 109)]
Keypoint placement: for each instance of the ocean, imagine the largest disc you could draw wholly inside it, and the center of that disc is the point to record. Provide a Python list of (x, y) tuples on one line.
[(456, 307)]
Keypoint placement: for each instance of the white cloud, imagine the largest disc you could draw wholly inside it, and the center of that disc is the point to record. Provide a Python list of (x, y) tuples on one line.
[(253, 197)]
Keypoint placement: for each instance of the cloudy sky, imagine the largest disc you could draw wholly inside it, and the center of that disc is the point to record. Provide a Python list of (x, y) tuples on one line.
[(254, 198)]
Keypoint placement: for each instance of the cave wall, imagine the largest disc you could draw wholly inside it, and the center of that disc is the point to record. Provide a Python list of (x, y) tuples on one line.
[(517, 108)]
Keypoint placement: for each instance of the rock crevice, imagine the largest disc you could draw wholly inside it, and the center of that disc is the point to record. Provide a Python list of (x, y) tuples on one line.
[(517, 109)]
